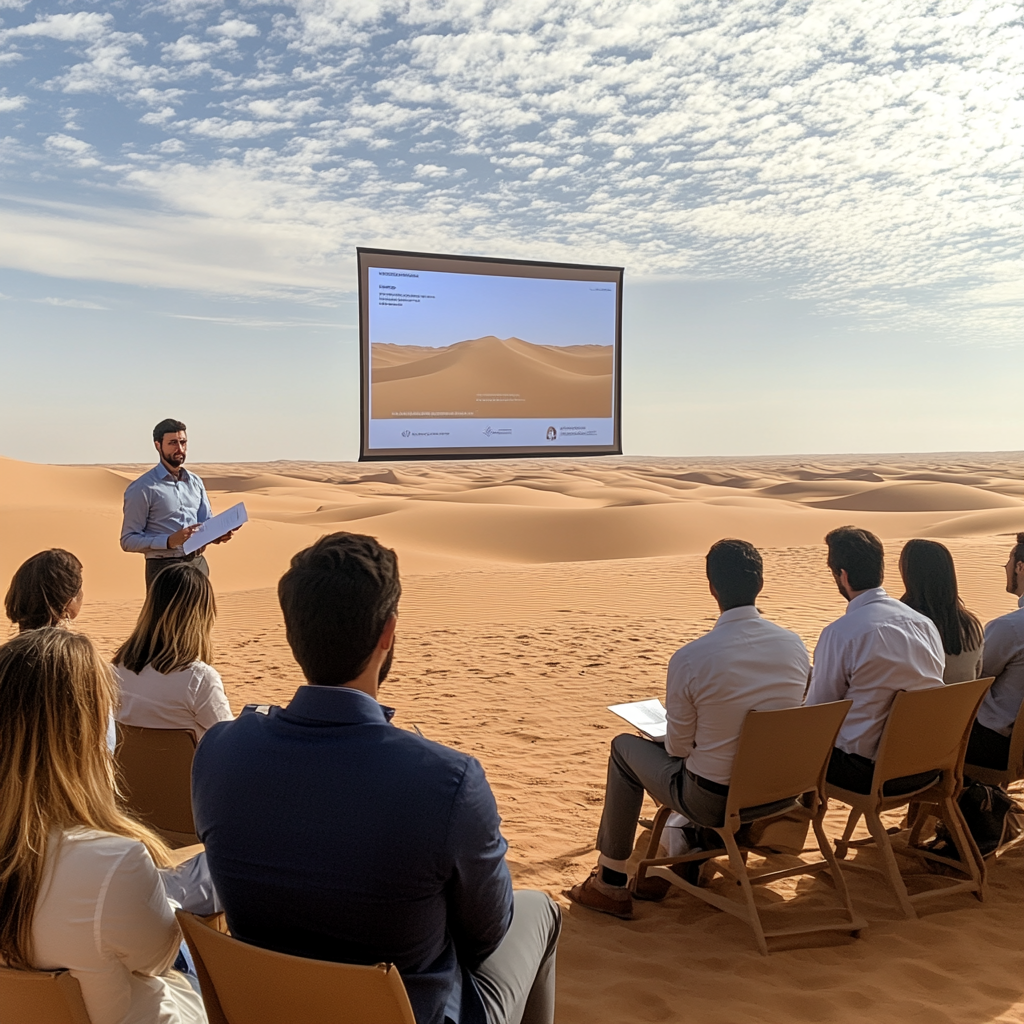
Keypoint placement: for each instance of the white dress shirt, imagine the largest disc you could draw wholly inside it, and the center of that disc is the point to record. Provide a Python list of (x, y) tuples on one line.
[(745, 663), (1004, 659), (880, 646), (102, 915), (191, 698)]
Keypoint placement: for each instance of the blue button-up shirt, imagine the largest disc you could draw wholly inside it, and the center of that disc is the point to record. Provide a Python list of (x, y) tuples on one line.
[(156, 505), (331, 834)]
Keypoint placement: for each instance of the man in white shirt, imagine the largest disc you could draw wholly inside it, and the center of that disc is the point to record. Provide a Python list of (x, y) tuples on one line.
[(989, 745), (879, 647), (745, 663)]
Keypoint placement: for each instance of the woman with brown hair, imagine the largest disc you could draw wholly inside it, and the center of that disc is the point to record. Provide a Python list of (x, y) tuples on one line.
[(45, 591), (929, 577), (166, 681), (79, 885)]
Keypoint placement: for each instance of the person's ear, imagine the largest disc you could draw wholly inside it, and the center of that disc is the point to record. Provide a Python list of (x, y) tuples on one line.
[(387, 634), (711, 587)]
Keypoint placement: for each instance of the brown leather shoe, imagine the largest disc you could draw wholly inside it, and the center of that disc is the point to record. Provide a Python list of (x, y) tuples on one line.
[(605, 899)]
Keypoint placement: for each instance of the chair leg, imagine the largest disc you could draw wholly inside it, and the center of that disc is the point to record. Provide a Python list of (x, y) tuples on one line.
[(825, 847), (970, 855), (739, 867), (843, 845), (892, 869)]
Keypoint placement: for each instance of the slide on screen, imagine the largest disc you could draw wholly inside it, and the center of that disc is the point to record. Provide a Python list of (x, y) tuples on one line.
[(477, 357)]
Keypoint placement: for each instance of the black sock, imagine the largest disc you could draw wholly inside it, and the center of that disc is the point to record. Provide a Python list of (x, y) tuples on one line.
[(610, 877)]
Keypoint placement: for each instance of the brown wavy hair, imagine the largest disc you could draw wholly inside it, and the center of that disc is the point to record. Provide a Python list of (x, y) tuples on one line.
[(175, 625), (56, 771), (42, 588)]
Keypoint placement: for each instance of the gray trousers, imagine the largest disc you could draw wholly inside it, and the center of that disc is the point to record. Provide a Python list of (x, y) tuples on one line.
[(154, 565), (517, 981), (636, 764)]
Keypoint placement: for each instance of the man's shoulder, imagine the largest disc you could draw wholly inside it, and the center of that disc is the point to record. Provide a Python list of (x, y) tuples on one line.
[(140, 483), (1012, 624)]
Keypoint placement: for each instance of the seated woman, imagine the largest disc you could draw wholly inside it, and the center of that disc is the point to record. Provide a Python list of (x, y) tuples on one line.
[(929, 577), (162, 667), (80, 889), (46, 590)]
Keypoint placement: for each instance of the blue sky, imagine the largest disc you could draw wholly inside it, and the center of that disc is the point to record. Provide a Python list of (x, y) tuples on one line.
[(464, 306), (818, 205)]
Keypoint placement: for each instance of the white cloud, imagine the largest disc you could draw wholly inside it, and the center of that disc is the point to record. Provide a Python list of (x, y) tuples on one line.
[(76, 150), (71, 303), (83, 26), (11, 102), (234, 28)]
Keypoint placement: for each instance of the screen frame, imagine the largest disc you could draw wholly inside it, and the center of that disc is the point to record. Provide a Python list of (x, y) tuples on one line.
[(363, 262)]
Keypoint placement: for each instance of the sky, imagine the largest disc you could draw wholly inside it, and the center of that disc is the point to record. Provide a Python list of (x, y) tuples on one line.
[(818, 206)]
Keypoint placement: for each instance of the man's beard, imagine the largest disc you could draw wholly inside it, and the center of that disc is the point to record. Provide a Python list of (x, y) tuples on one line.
[(175, 459), (386, 667)]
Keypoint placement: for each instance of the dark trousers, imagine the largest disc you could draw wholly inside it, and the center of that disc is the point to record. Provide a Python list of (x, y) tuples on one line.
[(854, 772), (987, 748), (636, 765), (154, 565)]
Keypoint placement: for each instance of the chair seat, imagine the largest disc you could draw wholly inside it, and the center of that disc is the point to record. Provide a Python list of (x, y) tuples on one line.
[(769, 810)]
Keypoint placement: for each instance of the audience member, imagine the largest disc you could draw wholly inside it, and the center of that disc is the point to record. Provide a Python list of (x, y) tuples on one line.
[(79, 886), (880, 646), (745, 663), (332, 834), (989, 746), (163, 667), (929, 579), (45, 591)]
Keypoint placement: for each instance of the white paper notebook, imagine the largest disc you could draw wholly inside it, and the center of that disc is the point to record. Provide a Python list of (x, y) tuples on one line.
[(648, 716), (216, 526)]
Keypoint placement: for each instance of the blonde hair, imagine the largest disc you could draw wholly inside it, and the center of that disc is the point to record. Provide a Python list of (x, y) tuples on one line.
[(175, 624), (56, 771)]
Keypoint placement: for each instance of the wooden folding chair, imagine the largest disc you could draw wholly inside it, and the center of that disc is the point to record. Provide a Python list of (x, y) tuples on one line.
[(779, 767), (40, 997), (926, 731), (156, 778), (244, 984), (1014, 770)]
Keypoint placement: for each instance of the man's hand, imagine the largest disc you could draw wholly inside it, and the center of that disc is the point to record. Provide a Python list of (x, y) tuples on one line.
[(227, 536), (177, 539)]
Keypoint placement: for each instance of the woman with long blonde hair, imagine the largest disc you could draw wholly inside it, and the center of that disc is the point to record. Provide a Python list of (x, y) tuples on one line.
[(79, 885), (163, 667)]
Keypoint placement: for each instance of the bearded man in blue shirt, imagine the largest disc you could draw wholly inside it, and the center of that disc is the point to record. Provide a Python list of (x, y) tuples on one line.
[(165, 506), (334, 835)]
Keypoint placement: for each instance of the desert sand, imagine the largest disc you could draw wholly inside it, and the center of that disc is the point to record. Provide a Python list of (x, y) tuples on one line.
[(536, 593), (493, 377)]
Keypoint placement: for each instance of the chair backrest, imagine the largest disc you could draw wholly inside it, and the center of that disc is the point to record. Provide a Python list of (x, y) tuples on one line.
[(783, 753), (156, 773), (40, 997), (1015, 764), (927, 730), (244, 984)]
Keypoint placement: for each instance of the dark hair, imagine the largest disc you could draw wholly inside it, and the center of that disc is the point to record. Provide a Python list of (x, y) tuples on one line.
[(930, 578), (175, 623), (42, 588), (167, 427), (735, 570), (336, 598), (860, 553), (1018, 550)]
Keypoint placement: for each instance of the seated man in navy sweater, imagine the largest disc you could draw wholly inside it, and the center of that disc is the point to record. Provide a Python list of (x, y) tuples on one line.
[(332, 834)]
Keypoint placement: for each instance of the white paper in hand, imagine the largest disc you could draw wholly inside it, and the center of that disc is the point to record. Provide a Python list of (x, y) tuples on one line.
[(647, 716), (215, 527)]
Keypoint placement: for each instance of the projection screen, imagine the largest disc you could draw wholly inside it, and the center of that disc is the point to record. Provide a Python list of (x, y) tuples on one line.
[(471, 357)]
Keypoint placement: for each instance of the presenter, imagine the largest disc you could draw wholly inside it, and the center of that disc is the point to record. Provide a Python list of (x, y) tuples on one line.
[(165, 506)]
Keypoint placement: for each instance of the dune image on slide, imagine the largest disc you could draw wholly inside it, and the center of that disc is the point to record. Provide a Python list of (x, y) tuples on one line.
[(491, 377)]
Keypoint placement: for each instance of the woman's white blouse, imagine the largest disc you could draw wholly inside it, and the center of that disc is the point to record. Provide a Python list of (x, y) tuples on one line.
[(102, 915), (191, 698)]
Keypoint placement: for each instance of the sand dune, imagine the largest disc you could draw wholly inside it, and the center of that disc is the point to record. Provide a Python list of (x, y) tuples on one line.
[(536, 593), (492, 377)]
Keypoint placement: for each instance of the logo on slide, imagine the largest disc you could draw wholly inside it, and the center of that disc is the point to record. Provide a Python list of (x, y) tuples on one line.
[(497, 432), (552, 434), (406, 433)]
